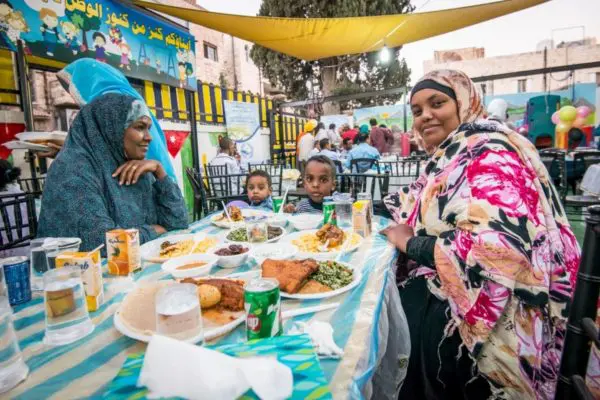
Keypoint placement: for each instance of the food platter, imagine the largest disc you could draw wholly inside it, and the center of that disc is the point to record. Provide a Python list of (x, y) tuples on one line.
[(151, 251), (215, 322), (300, 240), (222, 222), (18, 145), (228, 239)]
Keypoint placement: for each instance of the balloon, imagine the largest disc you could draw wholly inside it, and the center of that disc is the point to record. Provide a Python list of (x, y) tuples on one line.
[(567, 114), (583, 111), (563, 127), (579, 123), (555, 118), (526, 127)]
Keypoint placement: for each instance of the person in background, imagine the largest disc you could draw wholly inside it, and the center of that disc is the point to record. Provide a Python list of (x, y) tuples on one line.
[(101, 179), (319, 182), (362, 150), (331, 134), (259, 188), (350, 134), (498, 111), (226, 156), (493, 259), (347, 145), (575, 138), (363, 130), (306, 141), (381, 137), (396, 147), (322, 133), (316, 149), (9, 186), (326, 150)]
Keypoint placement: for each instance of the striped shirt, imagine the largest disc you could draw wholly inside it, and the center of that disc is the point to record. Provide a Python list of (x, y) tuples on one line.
[(309, 206)]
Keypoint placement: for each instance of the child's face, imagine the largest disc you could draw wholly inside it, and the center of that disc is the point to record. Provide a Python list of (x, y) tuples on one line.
[(50, 21), (99, 41), (318, 181), (4, 10), (258, 189)]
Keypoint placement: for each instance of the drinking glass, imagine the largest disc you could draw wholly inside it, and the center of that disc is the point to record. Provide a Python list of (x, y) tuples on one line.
[(343, 209), (67, 318), (40, 252), (178, 313), (12, 367)]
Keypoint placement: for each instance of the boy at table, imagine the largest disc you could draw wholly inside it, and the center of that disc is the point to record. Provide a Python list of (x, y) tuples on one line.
[(319, 182), (259, 188)]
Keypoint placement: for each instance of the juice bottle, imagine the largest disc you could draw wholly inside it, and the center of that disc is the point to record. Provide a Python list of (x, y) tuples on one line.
[(123, 251), (91, 274)]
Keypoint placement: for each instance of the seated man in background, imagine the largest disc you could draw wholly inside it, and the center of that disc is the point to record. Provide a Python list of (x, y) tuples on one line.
[(362, 150), (326, 150)]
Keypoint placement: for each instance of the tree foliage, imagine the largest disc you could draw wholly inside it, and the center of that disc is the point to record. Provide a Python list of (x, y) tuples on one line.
[(83, 22), (334, 75)]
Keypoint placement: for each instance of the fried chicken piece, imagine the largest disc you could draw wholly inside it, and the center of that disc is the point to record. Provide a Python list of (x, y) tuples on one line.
[(291, 274), (232, 291), (235, 213), (332, 233)]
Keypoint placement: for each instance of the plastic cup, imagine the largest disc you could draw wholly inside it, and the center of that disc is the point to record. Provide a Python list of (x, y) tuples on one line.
[(13, 369), (178, 313)]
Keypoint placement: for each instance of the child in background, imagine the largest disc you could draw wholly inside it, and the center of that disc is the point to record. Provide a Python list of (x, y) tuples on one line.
[(319, 182), (259, 189)]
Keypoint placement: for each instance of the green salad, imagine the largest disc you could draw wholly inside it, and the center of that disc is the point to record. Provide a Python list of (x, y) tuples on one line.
[(240, 235), (333, 274)]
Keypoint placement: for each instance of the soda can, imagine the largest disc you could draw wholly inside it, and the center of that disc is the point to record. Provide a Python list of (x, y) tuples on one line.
[(17, 277), (329, 215), (263, 308), (277, 203)]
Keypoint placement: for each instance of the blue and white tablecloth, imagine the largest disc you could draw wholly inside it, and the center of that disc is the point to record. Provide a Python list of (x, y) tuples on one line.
[(369, 325)]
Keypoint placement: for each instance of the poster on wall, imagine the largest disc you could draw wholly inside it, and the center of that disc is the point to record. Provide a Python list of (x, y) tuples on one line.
[(337, 119), (243, 127), (109, 31), (388, 115)]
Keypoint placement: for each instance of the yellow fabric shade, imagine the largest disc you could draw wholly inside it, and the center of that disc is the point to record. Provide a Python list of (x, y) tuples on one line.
[(315, 38)]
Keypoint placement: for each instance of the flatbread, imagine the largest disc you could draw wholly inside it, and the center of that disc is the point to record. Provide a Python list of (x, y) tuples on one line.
[(313, 287), (138, 310)]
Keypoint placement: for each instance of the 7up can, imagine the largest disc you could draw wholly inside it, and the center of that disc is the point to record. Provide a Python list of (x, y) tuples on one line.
[(329, 216), (263, 309)]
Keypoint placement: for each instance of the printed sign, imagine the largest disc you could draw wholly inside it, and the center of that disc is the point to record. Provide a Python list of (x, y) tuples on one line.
[(110, 32), (243, 127)]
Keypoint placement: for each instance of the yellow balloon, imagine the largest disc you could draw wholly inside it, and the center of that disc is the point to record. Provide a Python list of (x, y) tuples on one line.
[(567, 114), (563, 127)]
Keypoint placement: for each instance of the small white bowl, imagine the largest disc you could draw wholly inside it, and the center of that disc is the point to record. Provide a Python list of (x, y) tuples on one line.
[(275, 251), (172, 265), (279, 220), (306, 221), (231, 261)]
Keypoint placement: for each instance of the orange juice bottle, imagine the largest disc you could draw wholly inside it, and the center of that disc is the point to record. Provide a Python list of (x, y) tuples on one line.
[(123, 251)]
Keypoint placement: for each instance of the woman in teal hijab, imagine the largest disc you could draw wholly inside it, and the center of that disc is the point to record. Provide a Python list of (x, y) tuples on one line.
[(86, 79), (102, 179)]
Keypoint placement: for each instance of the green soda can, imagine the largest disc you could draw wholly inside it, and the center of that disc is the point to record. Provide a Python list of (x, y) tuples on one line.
[(329, 216), (277, 203), (263, 308)]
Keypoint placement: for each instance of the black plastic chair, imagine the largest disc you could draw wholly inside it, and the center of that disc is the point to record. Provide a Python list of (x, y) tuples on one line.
[(274, 170), (226, 188), (359, 183), (555, 163), (582, 160), (360, 165), (34, 186), (339, 166), (405, 169), (19, 224), (200, 205)]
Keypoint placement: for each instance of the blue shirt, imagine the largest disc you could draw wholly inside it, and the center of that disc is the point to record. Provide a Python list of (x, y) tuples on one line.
[(332, 155), (363, 150), (265, 204)]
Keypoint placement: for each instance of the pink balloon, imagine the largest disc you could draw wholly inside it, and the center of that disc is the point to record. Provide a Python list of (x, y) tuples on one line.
[(555, 118), (583, 111), (525, 127)]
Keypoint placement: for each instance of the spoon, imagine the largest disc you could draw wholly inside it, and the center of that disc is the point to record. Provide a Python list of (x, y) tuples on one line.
[(324, 248), (226, 212), (284, 199)]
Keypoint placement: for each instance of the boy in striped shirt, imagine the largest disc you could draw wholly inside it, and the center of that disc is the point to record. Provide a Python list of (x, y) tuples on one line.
[(319, 182)]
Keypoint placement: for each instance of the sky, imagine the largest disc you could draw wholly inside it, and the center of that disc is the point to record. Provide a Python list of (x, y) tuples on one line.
[(514, 33)]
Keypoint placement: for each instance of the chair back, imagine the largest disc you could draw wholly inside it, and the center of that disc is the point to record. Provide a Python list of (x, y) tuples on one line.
[(360, 165), (34, 186), (18, 220), (555, 162), (359, 183), (582, 160), (402, 172), (195, 179), (339, 166), (227, 187), (275, 171)]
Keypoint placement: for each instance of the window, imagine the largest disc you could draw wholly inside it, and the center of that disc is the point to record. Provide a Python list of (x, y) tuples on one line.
[(522, 86), (210, 52)]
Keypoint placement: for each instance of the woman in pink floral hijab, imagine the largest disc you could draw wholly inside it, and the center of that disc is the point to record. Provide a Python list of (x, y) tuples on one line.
[(494, 260)]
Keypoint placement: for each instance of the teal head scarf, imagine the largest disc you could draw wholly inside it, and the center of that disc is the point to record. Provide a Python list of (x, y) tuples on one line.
[(364, 129), (86, 79)]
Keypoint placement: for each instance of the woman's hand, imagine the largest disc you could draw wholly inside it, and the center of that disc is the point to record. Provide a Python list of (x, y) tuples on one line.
[(399, 235), (130, 172), (289, 208), (52, 152), (159, 229)]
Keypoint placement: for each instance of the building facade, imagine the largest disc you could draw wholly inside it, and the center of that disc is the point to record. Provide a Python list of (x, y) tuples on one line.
[(474, 63)]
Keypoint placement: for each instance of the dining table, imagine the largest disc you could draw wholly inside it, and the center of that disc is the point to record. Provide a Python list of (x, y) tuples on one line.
[(369, 325)]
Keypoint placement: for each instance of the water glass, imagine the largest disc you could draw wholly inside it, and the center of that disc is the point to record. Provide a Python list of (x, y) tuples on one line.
[(67, 318), (178, 313), (41, 250), (12, 367), (343, 209), (3, 288)]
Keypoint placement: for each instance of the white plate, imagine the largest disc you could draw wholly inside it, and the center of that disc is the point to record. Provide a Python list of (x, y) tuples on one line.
[(151, 251), (357, 276), (286, 251), (171, 265), (283, 233), (330, 255), (55, 135), (246, 212), (18, 145), (208, 333)]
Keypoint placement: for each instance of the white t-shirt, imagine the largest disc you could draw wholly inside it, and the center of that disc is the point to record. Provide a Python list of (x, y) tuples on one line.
[(330, 134), (305, 146)]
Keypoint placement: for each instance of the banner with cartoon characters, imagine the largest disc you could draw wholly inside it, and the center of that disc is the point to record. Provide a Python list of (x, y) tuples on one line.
[(111, 32)]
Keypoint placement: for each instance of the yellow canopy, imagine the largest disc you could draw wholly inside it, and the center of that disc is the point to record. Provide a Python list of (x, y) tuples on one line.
[(314, 38)]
